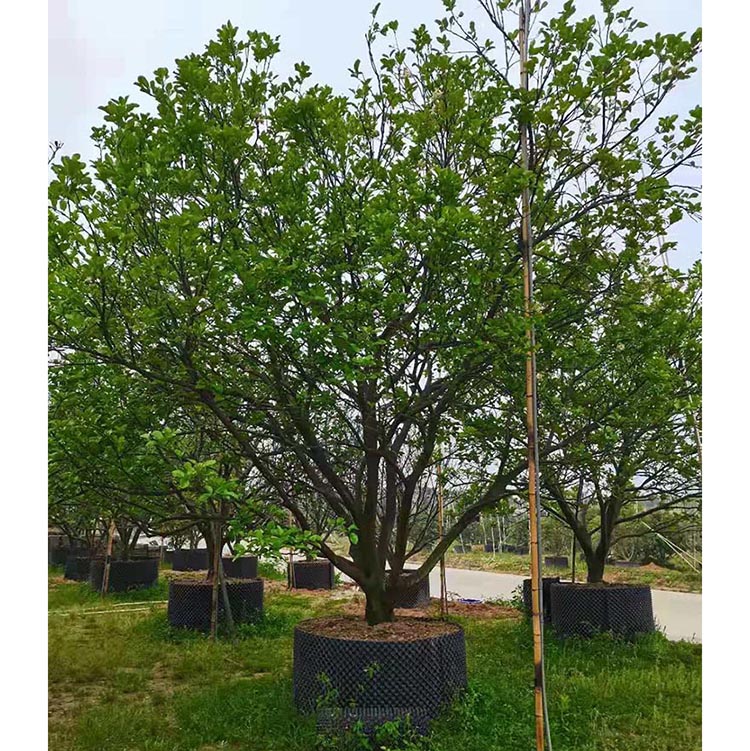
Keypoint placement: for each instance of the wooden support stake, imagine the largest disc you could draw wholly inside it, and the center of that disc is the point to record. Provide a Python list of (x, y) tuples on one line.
[(291, 582), (215, 588), (540, 712), (443, 587), (108, 558)]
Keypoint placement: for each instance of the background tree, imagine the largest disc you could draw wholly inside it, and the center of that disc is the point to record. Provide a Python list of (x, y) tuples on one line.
[(629, 366)]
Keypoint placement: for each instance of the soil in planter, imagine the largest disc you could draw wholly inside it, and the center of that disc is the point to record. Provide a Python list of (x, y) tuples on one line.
[(404, 629), (588, 609)]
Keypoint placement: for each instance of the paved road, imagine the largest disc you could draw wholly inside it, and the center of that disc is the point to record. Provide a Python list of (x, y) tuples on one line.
[(678, 613)]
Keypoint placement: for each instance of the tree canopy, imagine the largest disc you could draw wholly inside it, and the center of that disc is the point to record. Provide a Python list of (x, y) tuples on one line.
[(335, 279)]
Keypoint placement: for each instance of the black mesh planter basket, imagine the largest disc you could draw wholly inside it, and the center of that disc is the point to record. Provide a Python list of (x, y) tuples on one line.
[(190, 603), (489, 547), (168, 556), (311, 574), (144, 551), (547, 582), (77, 568), (243, 568), (56, 541), (517, 549), (350, 680), (417, 596), (585, 610), (59, 556), (556, 561), (125, 575), (625, 564), (190, 560)]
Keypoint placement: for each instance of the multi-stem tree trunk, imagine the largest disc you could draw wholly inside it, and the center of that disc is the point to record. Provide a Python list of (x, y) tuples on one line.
[(595, 555), (207, 531)]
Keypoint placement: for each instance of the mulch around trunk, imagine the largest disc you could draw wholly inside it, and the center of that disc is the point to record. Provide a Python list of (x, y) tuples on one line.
[(483, 611), (357, 629), (194, 577)]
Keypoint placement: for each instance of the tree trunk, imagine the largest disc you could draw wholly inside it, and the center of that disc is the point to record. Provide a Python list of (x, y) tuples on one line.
[(595, 564), (378, 607), (207, 533)]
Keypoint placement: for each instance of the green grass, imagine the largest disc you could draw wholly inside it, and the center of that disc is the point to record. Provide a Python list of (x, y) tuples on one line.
[(127, 682), (680, 578)]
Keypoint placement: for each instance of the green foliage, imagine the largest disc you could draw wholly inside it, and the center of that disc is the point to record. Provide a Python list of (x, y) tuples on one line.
[(327, 287), (268, 541)]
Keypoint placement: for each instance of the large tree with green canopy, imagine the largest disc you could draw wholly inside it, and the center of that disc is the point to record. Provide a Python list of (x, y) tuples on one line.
[(336, 278)]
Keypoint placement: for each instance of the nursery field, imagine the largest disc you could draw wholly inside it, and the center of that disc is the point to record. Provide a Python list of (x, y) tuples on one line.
[(121, 679)]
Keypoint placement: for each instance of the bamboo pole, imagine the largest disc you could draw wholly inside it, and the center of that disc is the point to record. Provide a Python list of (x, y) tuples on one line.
[(108, 558), (443, 587), (215, 584), (291, 584), (540, 713)]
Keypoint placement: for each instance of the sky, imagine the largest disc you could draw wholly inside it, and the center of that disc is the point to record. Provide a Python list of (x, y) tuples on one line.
[(98, 49)]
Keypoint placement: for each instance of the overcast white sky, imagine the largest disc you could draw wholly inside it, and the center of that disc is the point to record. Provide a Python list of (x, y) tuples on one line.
[(97, 49)]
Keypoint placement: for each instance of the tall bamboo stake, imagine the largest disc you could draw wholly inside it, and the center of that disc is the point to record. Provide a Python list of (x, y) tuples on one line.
[(531, 406), (215, 584), (291, 583), (108, 557), (443, 588)]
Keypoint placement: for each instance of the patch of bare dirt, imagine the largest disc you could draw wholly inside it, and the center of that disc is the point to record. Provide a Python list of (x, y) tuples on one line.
[(63, 702)]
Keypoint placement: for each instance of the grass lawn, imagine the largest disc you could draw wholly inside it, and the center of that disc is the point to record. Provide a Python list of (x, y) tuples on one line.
[(681, 578), (125, 680)]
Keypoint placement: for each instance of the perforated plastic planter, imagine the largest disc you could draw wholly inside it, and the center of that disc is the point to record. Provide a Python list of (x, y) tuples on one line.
[(349, 680), (243, 568), (190, 560), (56, 541), (59, 556), (168, 556), (77, 567), (144, 551), (489, 547), (556, 561), (190, 603), (547, 581), (316, 574), (125, 575), (625, 564), (584, 609), (416, 597)]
